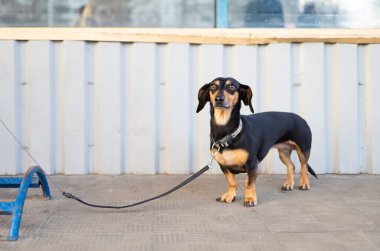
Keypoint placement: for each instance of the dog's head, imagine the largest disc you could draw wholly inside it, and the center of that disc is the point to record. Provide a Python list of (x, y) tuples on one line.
[(224, 94)]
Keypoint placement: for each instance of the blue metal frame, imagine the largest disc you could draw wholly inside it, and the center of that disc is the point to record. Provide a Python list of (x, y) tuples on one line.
[(15, 207), (221, 13), (14, 182)]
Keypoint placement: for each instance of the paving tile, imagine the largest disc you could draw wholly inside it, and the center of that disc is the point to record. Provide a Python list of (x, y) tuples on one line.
[(340, 212), (324, 241)]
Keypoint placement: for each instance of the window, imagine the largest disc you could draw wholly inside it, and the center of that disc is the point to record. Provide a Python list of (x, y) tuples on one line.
[(110, 13), (194, 13), (305, 13)]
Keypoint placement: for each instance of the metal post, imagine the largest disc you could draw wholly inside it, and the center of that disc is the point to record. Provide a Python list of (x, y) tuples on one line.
[(221, 13)]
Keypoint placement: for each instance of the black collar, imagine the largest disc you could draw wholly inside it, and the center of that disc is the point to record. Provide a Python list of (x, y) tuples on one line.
[(227, 140)]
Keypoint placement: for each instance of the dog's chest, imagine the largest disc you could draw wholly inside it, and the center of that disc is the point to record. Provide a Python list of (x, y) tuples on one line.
[(237, 157)]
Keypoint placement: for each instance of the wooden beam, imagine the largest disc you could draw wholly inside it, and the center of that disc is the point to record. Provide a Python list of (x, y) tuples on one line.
[(197, 36)]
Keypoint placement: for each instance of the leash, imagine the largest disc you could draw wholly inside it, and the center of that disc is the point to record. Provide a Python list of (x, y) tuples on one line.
[(215, 149), (191, 178), (183, 183)]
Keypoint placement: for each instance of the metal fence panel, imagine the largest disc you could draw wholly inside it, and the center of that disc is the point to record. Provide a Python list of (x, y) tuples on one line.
[(73, 110), (8, 103), (144, 108), (40, 61), (312, 99), (371, 105), (109, 107)]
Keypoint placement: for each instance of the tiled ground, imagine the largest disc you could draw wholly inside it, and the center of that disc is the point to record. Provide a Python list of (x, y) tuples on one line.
[(338, 213)]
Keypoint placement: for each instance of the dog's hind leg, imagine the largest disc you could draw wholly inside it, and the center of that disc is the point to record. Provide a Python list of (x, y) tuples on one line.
[(284, 150), (284, 154), (303, 157)]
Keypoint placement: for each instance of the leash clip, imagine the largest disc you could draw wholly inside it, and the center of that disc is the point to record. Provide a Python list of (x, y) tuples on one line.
[(216, 148)]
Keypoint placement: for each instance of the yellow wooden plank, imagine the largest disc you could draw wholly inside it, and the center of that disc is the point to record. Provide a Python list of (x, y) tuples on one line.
[(197, 36)]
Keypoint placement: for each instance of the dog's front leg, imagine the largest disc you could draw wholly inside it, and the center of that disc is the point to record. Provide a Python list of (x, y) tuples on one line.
[(231, 194), (250, 198)]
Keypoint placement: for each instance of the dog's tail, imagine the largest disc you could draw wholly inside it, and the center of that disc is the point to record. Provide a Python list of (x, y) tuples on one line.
[(311, 171)]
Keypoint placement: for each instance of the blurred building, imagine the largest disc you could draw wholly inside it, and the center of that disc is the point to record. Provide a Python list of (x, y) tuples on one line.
[(195, 13)]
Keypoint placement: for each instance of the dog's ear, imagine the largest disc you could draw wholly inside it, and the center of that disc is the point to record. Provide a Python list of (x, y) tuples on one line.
[(203, 97), (246, 96)]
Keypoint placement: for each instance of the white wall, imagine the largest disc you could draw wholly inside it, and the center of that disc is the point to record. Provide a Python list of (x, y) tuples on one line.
[(85, 107)]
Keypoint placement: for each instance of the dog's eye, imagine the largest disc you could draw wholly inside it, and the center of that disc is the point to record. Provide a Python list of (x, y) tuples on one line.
[(213, 87), (231, 87)]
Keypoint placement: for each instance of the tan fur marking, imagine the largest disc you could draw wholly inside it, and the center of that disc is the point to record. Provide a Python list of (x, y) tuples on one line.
[(284, 155), (236, 157), (304, 180), (250, 193), (212, 96), (231, 194), (222, 116), (232, 99)]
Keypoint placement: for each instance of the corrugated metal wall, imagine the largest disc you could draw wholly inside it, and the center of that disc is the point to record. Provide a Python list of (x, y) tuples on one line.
[(102, 107)]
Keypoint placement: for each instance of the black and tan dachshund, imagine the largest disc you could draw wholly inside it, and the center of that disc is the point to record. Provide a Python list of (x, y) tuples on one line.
[(244, 141)]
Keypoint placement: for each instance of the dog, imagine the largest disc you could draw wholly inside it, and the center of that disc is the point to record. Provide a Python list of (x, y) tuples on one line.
[(240, 142)]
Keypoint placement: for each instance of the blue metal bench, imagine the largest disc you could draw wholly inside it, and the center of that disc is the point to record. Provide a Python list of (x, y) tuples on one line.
[(15, 207)]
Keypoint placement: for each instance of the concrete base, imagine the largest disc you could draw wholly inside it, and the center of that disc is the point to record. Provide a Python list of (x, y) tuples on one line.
[(340, 212)]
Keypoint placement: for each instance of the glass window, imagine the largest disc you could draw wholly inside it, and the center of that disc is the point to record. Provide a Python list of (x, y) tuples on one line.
[(191, 13), (110, 13), (304, 13)]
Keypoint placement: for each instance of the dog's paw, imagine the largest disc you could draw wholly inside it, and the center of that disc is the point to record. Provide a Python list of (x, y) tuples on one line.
[(227, 197), (287, 186), (304, 187), (250, 198), (250, 202), (305, 184)]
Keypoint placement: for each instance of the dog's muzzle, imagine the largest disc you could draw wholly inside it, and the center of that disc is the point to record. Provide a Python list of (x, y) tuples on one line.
[(222, 105), (221, 102)]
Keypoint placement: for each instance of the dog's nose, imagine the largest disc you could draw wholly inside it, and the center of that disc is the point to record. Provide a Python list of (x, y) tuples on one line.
[(219, 98)]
